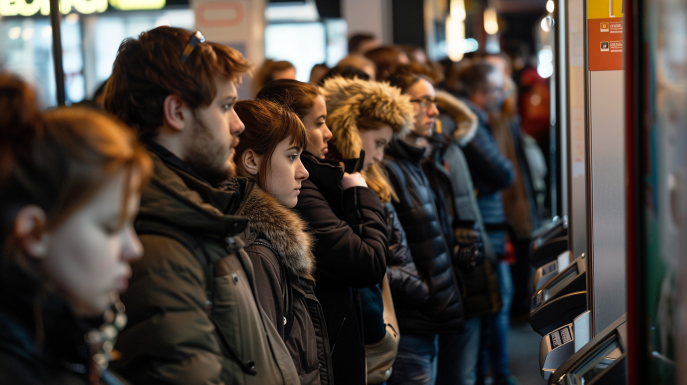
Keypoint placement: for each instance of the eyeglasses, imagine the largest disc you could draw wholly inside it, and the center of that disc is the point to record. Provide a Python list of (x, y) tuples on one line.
[(196, 39), (424, 102)]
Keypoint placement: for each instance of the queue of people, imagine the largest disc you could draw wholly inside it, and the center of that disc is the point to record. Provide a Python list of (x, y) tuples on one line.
[(349, 231)]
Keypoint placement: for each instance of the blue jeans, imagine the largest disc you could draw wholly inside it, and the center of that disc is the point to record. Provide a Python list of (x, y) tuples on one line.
[(446, 358), (495, 329), (464, 365)]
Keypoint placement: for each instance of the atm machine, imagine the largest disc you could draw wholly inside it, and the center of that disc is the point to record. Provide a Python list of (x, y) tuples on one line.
[(549, 271), (559, 313), (560, 300), (549, 241), (601, 361)]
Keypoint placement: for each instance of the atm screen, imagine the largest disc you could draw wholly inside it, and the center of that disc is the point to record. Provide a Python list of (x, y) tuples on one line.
[(597, 362), (560, 337), (560, 283)]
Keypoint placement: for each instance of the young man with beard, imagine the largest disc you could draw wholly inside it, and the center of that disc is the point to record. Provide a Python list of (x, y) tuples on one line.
[(193, 313)]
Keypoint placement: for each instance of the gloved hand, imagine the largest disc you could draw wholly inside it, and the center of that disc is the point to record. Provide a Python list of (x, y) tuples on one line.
[(468, 250)]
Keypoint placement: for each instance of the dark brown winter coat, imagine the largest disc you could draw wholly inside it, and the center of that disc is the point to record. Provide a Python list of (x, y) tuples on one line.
[(280, 249)]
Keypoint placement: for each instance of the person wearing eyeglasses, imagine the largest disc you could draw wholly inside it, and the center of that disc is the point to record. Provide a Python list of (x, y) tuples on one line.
[(428, 328), (481, 86), (192, 303)]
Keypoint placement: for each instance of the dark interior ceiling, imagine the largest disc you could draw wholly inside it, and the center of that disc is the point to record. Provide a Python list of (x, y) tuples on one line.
[(518, 6)]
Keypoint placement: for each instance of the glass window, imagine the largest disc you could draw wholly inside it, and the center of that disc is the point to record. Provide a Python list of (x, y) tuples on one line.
[(303, 44)]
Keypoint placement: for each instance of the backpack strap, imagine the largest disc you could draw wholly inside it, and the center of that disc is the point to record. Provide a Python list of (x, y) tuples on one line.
[(286, 290), (144, 227), (148, 227)]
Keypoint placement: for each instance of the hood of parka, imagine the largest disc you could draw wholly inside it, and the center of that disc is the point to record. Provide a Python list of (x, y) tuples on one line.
[(466, 120), (284, 229), (176, 197), (347, 99)]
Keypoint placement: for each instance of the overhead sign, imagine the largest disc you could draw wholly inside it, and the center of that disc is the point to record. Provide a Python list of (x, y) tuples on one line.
[(31, 8)]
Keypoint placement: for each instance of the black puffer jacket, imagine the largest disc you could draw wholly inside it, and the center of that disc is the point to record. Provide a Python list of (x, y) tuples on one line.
[(430, 248), (350, 229), (280, 251)]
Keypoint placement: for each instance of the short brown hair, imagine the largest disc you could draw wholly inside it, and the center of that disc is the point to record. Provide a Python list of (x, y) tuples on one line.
[(385, 59), (265, 74), (149, 68), (299, 97), (267, 124)]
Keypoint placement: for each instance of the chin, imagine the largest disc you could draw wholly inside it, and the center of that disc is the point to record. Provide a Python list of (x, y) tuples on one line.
[(231, 170)]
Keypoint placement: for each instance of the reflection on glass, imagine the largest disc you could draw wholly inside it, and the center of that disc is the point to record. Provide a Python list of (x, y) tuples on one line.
[(560, 283), (595, 364)]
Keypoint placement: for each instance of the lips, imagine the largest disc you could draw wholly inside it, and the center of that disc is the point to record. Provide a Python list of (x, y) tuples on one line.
[(122, 283), (325, 150)]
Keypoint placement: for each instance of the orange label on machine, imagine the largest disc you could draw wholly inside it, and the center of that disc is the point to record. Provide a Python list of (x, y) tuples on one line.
[(605, 34)]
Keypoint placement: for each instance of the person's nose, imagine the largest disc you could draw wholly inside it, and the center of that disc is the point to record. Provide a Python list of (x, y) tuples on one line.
[(236, 126), (379, 155), (132, 249), (433, 110), (301, 172), (327, 133)]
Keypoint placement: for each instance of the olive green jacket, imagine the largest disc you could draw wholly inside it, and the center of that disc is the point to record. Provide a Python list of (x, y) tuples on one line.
[(176, 334)]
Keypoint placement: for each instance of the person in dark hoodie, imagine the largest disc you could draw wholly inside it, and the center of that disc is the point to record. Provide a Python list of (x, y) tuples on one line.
[(424, 214), (269, 151), (70, 185), (481, 85), (365, 116), (193, 304), (348, 222)]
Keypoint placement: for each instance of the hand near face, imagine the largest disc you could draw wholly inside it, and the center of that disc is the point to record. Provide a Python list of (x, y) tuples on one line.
[(352, 180)]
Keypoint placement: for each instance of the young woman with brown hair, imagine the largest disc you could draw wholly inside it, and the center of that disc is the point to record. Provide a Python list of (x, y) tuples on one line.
[(276, 240), (347, 220), (69, 190)]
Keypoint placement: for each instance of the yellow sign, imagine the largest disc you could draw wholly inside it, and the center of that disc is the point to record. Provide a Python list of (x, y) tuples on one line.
[(603, 9), (26, 8)]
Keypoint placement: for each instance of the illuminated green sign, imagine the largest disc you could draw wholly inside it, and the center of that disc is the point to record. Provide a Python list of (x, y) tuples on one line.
[(30, 8)]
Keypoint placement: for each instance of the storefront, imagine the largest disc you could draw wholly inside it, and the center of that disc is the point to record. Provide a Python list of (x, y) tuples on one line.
[(91, 33)]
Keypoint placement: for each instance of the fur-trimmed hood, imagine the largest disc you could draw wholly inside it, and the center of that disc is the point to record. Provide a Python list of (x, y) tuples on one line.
[(349, 98), (466, 120), (284, 229)]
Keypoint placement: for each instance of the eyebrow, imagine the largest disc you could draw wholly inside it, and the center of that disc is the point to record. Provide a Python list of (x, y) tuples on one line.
[(230, 98), (293, 148), (322, 116)]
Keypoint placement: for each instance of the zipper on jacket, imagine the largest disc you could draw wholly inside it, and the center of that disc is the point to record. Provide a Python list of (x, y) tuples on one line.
[(338, 334)]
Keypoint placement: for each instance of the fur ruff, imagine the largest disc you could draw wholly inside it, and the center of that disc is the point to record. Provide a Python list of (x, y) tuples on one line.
[(349, 98), (466, 120), (284, 229)]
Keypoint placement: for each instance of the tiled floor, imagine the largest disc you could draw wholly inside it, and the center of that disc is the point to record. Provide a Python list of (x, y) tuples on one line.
[(523, 348)]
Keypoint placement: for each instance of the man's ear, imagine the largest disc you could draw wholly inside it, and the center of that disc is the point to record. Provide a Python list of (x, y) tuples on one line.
[(173, 112), (250, 161), (29, 229)]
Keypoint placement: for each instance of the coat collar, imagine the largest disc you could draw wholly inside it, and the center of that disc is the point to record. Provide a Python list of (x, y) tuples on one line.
[(175, 196), (325, 174), (466, 120), (283, 229), (399, 149)]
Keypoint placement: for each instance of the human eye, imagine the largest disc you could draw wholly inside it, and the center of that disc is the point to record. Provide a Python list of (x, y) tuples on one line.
[(110, 229)]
